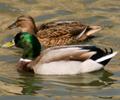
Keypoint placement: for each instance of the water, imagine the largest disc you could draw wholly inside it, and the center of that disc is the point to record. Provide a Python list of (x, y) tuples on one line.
[(101, 85)]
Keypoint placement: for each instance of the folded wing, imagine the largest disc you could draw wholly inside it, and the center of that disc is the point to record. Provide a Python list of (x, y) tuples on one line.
[(75, 52)]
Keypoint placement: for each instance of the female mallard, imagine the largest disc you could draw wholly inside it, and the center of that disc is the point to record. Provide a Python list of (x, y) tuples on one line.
[(55, 33), (60, 60)]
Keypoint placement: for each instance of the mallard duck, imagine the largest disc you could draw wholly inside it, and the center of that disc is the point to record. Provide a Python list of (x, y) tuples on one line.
[(55, 33), (59, 60)]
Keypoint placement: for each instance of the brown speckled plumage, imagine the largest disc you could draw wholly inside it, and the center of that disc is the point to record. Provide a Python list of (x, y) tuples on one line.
[(56, 33)]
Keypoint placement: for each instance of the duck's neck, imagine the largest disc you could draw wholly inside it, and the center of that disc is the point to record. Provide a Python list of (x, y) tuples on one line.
[(30, 28), (30, 45)]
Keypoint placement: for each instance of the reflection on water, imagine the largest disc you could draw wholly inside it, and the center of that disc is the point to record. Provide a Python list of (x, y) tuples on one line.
[(87, 85), (100, 85), (64, 85)]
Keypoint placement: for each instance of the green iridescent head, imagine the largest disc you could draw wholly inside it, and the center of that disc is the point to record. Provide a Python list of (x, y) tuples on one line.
[(29, 43)]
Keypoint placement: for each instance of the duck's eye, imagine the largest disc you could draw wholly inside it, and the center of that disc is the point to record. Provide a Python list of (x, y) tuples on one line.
[(19, 20)]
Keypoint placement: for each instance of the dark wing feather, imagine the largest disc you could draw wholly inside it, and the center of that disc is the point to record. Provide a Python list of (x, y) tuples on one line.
[(55, 29), (64, 32)]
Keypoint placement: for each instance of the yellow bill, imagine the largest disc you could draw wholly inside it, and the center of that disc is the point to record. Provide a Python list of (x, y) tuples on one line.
[(9, 44)]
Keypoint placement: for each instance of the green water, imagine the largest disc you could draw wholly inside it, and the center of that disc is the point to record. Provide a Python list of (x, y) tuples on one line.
[(101, 85)]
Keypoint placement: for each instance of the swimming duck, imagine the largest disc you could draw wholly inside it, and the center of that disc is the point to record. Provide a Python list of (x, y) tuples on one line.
[(59, 60), (55, 33)]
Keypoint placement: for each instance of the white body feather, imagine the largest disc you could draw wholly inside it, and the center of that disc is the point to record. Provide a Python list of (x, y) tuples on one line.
[(67, 67)]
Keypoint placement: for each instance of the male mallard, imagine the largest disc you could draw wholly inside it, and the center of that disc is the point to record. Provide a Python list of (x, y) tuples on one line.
[(55, 33), (60, 60)]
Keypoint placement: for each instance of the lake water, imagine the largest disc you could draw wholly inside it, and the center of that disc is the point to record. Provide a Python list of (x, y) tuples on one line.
[(101, 85)]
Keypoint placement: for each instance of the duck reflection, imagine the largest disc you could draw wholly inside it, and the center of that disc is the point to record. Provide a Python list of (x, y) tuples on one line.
[(39, 84)]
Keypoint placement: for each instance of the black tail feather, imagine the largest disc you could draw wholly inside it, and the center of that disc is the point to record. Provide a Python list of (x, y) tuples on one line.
[(105, 61), (101, 53)]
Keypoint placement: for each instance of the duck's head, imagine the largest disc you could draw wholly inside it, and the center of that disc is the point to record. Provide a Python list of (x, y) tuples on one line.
[(25, 23), (29, 43)]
